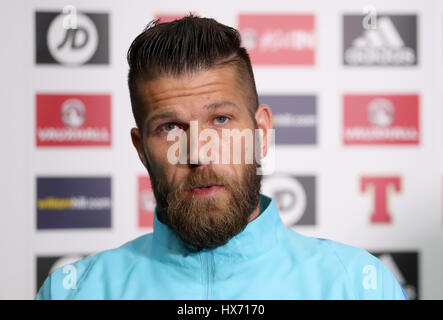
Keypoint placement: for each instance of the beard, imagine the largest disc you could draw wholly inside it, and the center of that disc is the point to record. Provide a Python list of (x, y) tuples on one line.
[(212, 221)]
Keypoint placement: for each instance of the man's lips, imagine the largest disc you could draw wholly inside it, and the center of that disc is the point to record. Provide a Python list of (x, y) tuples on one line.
[(206, 186), (205, 190)]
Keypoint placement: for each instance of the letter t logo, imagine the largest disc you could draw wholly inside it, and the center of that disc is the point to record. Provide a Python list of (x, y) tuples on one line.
[(380, 186)]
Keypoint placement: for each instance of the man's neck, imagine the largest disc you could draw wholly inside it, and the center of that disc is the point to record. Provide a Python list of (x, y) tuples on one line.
[(256, 212)]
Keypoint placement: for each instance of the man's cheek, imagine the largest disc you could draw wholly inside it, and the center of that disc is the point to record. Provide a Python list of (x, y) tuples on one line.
[(155, 165), (156, 154)]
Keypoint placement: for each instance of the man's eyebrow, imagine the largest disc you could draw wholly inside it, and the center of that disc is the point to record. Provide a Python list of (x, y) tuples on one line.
[(161, 115), (172, 114), (218, 104)]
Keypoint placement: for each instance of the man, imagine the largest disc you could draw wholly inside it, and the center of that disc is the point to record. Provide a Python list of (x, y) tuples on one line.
[(215, 236)]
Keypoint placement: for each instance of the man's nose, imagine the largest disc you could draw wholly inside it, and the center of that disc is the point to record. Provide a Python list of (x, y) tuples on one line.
[(195, 156)]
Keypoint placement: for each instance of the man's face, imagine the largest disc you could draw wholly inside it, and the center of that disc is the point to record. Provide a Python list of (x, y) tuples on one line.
[(205, 203)]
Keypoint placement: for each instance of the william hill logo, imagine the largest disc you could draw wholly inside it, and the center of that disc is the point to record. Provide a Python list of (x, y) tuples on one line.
[(78, 203), (73, 202), (294, 118), (391, 42), (73, 120)]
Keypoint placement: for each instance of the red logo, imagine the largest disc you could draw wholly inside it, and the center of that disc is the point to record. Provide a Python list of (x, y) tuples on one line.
[(146, 202), (279, 39), (375, 119), (73, 120), (168, 17), (382, 188)]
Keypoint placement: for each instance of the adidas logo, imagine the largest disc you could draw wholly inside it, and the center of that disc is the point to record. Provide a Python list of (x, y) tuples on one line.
[(380, 46), (388, 260)]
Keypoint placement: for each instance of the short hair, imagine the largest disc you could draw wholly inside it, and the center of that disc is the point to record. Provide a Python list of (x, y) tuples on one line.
[(185, 46)]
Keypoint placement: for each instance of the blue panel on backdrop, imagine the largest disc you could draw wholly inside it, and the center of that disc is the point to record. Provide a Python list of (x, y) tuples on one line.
[(73, 202), (294, 118)]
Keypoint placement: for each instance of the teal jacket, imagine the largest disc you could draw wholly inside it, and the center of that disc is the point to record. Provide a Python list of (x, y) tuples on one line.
[(265, 261)]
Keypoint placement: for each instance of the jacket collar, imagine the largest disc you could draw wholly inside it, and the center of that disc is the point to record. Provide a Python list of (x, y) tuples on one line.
[(259, 236)]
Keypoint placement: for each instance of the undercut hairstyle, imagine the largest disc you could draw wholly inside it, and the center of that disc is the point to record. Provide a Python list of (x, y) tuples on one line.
[(187, 46)]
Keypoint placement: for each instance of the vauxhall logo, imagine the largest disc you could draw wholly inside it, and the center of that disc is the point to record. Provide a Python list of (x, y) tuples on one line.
[(381, 119), (73, 113), (72, 38), (73, 120)]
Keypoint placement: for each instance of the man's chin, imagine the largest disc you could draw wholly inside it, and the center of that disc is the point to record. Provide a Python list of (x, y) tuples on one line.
[(215, 205)]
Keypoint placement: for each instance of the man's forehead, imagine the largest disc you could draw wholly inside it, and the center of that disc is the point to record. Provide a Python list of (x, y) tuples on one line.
[(213, 83)]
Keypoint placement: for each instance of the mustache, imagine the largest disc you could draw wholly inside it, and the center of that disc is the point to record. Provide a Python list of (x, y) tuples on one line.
[(168, 194), (204, 177)]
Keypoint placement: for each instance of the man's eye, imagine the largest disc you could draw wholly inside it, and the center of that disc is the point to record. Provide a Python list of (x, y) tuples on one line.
[(221, 119), (168, 126)]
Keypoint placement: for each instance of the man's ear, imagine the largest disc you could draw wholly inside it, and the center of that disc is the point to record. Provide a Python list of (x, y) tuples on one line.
[(263, 117), (138, 144)]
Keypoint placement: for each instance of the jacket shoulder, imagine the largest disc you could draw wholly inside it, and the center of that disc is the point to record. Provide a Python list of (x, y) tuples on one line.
[(367, 276), (81, 279)]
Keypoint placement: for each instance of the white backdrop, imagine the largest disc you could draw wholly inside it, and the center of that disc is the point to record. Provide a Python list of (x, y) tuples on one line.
[(342, 211)]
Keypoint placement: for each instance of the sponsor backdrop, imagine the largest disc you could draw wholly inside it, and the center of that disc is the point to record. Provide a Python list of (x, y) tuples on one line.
[(356, 95)]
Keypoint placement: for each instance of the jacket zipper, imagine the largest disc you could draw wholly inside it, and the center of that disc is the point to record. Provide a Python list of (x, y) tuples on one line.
[(208, 273)]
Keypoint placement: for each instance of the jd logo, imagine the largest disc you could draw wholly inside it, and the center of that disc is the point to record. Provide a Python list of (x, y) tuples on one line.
[(72, 38), (72, 46)]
